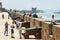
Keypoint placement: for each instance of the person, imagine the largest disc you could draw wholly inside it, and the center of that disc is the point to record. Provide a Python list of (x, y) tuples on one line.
[(17, 22), (2, 16), (17, 25), (6, 29), (30, 15), (8, 16), (35, 15), (20, 26), (12, 30), (24, 16), (51, 24), (53, 20)]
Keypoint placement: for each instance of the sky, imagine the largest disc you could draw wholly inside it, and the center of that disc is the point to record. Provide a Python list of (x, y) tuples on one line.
[(28, 4)]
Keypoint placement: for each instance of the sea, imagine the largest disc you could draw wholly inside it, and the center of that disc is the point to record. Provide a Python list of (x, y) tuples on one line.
[(48, 15)]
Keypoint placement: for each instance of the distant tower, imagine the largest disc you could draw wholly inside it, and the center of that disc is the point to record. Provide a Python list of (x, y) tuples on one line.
[(33, 10), (0, 5)]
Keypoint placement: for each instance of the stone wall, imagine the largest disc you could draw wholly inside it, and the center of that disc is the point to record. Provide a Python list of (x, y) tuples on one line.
[(34, 22), (56, 32)]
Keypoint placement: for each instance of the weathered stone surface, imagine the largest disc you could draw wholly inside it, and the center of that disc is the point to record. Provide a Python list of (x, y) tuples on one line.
[(32, 22), (56, 32), (45, 30), (25, 18)]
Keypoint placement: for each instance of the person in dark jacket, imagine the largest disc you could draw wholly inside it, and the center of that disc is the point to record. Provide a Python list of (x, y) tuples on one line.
[(35, 15), (6, 29)]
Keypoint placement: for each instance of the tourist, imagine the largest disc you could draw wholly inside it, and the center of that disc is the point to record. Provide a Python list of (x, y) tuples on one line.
[(35, 15), (53, 20), (17, 25), (30, 15), (52, 23), (17, 22), (2, 16), (6, 29), (12, 30), (20, 26), (24, 16)]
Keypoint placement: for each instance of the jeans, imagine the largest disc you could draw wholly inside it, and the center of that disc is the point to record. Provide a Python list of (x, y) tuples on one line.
[(6, 32)]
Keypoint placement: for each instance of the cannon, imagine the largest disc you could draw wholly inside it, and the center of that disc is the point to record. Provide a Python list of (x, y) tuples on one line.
[(36, 31)]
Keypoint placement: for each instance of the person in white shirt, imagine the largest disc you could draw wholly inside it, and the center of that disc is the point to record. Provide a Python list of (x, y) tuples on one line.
[(20, 26), (51, 25), (53, 20), (6, 29), (2, 16)]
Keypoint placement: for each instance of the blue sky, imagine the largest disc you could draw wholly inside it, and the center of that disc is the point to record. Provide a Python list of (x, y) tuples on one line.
[(28, 4)]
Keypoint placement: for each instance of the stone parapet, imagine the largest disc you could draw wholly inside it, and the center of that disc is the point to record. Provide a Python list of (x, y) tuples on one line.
[(45, 24), (56, 32)]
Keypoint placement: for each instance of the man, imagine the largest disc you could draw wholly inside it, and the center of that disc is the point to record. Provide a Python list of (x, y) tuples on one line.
[(20, 26), (53, 20), (17, 22), (51, 25)]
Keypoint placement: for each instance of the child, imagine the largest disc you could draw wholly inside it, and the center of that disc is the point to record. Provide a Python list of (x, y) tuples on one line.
[(17, 25), (12, 30)]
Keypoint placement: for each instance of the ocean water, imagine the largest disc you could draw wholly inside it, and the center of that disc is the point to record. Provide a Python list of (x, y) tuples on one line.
[(48, 15)]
